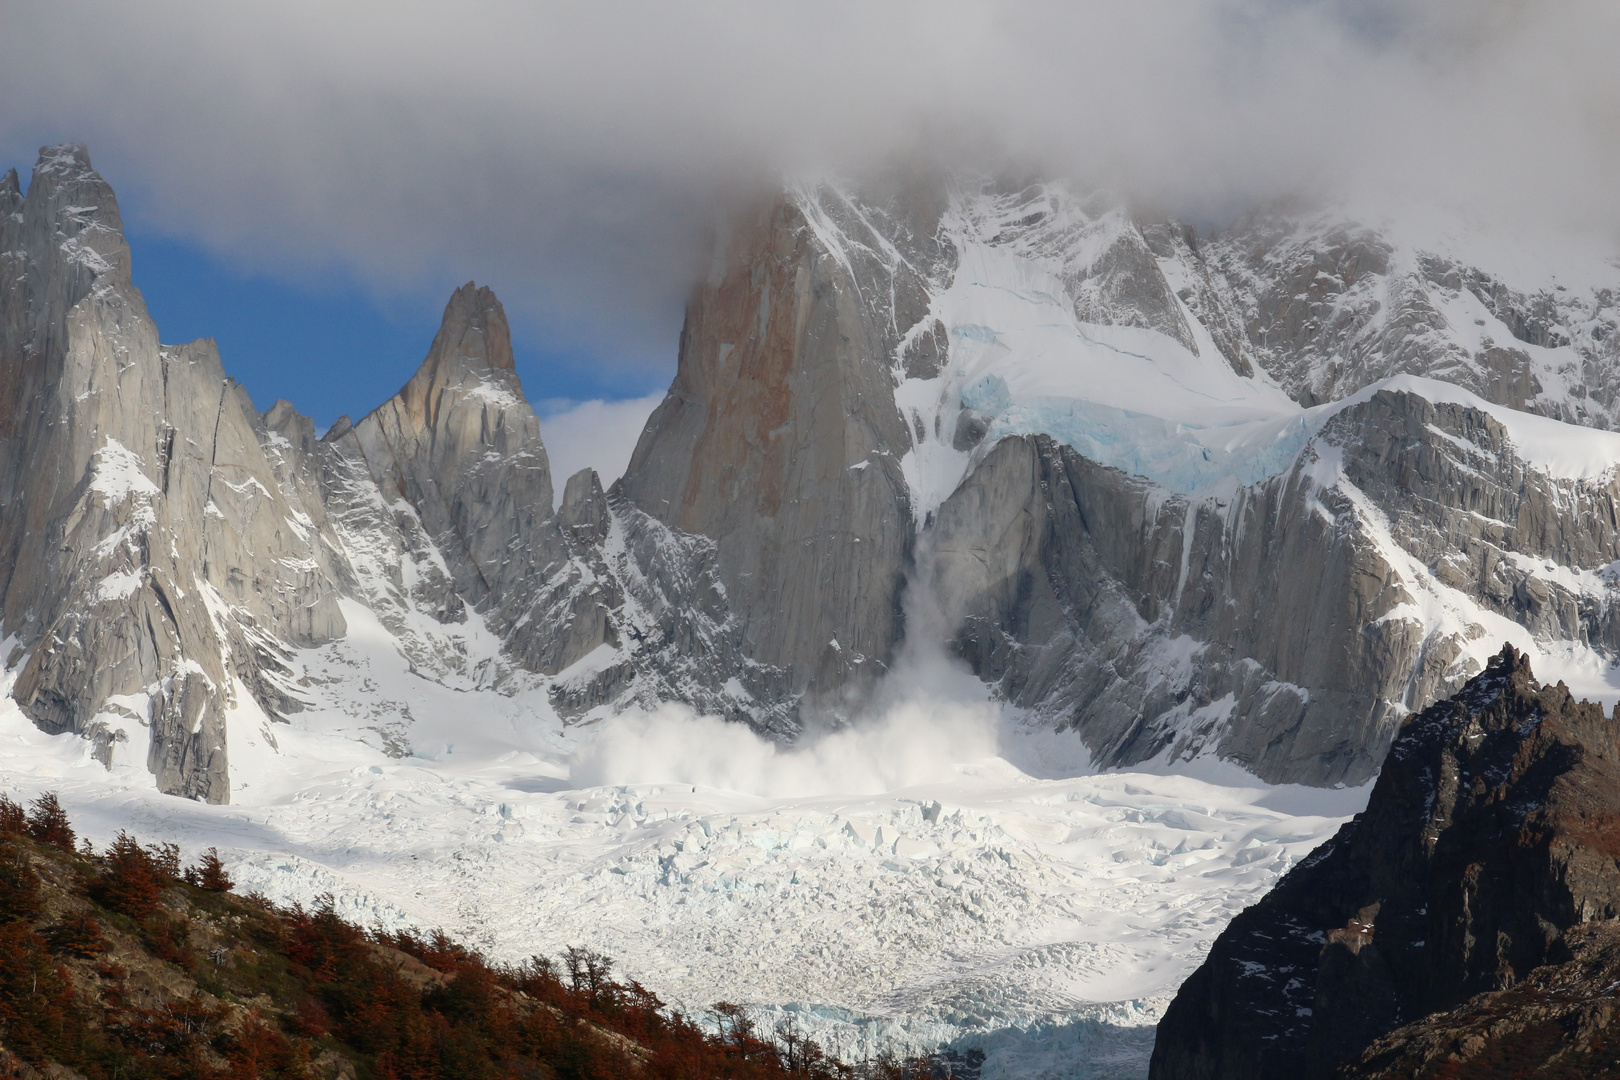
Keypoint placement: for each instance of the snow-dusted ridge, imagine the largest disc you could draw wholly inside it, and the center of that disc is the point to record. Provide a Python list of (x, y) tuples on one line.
[(1028, 356)]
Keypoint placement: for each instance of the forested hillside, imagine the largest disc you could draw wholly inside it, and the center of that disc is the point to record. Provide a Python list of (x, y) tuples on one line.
[(123, 965)]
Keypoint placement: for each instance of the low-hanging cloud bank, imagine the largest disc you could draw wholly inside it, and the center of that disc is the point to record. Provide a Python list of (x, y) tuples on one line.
[(575, 155)]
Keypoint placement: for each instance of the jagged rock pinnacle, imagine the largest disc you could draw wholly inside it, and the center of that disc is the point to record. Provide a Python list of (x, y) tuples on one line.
[(473, 342)]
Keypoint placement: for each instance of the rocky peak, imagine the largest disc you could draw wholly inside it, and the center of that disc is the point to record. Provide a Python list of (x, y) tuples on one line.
[(155, 564), (1490, 832), (584, 508), (285, 420), (780, 439), (473, 345), (460, 444), (70, 202)]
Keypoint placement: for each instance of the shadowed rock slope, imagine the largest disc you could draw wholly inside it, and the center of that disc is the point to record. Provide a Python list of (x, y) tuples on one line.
[(1493, 831), (1562, 1021)]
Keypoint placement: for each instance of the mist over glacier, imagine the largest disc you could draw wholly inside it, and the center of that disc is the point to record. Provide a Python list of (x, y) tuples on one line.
[(913, 743), (926, 718)]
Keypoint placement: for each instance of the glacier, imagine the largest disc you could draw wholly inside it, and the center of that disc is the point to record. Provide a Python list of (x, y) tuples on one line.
[(936, 877)]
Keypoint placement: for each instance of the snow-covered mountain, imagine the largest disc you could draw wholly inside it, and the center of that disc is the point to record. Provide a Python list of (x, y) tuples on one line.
[(1258, 495), (1173, 495), (1168, 498), (169, 549)]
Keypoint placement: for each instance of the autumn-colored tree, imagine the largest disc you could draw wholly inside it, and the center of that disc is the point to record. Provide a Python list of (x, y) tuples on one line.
[(404, 1005), (13, 819), (48, 822), (130, 881), (209, 873), (77, 934), (39, 1011), (19, 885), (588, 972)]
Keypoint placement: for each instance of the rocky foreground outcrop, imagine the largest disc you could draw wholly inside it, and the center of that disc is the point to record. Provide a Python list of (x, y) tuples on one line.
[(1561, 1021), (1483, 876)]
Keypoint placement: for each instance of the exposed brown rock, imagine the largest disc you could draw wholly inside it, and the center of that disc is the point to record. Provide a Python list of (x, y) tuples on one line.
[(1563, 1020), (780, 439), (1489, 836)]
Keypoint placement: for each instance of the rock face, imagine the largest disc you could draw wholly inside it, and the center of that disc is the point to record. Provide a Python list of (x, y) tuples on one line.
[(1082, 430), (1284, 604), (1491, 831), (1283, 628), (1561, 1020), (462, 446), (167, 550), (154, 561), (1329, 306), (780, 439)]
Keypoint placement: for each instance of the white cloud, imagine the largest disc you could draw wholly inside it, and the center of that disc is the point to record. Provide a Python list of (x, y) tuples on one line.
[(574, 155), (596, 434)]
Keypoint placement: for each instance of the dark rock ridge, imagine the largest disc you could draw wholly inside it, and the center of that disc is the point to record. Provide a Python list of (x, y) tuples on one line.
[(1562, 1020), (1492, 831)]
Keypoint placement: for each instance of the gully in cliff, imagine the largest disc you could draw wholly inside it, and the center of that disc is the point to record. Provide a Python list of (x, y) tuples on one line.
[(1464, 920)]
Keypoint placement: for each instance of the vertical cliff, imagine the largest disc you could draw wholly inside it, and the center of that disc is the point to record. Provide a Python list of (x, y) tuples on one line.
[(460, 443), (780, 439), (155, 566)]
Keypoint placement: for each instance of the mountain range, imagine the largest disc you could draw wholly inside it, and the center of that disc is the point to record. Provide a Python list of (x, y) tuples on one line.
[(1256, 494)]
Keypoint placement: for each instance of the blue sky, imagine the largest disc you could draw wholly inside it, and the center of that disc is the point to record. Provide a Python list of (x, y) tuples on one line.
[(332, 345)]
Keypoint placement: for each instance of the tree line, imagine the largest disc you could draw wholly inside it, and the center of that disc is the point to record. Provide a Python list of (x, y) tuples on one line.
[(124, 964)]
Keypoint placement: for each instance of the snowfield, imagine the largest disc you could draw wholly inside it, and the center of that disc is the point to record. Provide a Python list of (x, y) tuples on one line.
[(935, 875)]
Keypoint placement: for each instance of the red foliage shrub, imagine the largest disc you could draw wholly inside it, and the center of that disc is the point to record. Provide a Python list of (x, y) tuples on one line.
[(77, 935), (209, 873), (309, 1019), (440, 1011), (130, 881), (48, 822), (39, 1012), (13, 820), (19, 885)]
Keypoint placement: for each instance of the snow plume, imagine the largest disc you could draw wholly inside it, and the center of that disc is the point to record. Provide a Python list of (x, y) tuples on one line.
[(928, 717), (916, 742)]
